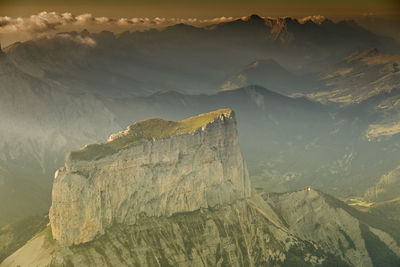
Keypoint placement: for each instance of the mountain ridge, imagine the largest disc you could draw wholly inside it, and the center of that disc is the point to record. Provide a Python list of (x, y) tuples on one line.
[(93, 223)]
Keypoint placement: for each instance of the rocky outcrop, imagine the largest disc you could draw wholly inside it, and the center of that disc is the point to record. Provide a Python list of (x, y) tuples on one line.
[(154, 168), (302, 228), (244, 233), (335, 227), (166, 193), (163, 193)]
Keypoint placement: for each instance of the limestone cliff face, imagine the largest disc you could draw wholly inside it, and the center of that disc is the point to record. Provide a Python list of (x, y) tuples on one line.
[(154, 168)]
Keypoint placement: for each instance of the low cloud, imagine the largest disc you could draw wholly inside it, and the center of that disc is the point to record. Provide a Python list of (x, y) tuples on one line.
[(85, 40), (44, 24), (52, 21), (41, 22)]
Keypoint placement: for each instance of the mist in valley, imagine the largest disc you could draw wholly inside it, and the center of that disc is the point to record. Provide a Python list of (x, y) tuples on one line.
[(316, 104)]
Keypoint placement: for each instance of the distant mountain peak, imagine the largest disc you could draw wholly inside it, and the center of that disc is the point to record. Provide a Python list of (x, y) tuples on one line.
[(84, 33), (317, 19), (266, 65), (181, 27), (254, 17), (289, 19)]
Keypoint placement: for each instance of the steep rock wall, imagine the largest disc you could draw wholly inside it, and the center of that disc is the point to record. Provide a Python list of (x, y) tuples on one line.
[(157, 176)]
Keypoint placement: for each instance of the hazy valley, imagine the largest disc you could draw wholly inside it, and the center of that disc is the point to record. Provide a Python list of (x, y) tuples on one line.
[(316, 105)]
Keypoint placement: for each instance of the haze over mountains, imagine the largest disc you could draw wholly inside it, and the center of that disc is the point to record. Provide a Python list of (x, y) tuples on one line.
[(317, 103), (136, 63), (178, 193), (64, 86)]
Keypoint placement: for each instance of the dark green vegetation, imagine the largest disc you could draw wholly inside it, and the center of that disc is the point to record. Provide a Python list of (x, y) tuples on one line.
[(146, 130), (14, 236)]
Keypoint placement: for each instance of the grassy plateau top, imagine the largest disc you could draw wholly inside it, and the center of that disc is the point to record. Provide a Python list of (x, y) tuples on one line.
[(145, 130)]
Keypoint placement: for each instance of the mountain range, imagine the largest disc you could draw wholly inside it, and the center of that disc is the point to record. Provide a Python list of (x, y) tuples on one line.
[(180, 195), (317, 104)]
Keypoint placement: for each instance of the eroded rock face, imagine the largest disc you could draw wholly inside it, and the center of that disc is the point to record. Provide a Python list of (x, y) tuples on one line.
[(335, 227), (244, 233), (157, 177), (312, 218)]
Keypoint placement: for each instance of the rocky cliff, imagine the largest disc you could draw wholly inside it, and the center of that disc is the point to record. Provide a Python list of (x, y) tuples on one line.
[(166, 193), (245, 233), (163, 193), (154, 168)]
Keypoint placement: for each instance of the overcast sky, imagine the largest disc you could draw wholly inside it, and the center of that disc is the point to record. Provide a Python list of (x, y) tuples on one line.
[(201, 8)]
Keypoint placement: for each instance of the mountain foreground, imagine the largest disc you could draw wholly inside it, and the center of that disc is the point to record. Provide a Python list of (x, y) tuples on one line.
[(183, 198)]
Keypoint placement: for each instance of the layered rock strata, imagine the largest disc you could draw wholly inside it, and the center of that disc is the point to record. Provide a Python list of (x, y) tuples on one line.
[(154, 168)]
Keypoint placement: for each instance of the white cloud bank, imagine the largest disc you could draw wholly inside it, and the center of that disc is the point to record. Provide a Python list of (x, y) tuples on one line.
[(49, 21), (41, 22)]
